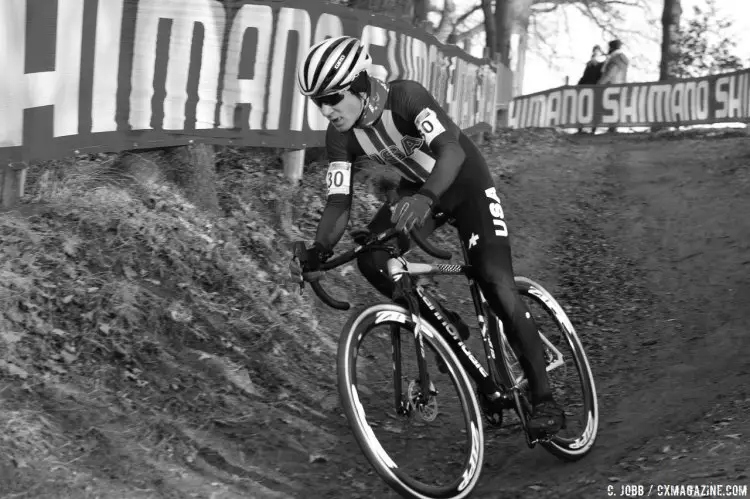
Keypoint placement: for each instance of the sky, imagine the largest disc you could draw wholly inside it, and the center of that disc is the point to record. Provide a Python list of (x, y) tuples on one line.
[(571, 36)]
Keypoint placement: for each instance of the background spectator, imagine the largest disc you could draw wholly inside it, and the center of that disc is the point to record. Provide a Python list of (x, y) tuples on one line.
[(593, 72), (615, 68)]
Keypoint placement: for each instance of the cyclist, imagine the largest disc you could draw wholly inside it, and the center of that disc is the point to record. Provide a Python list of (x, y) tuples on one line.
[(400, 124)]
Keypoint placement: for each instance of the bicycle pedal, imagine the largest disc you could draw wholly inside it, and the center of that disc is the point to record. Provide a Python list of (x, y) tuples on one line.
[(541, 436), (534, 441)]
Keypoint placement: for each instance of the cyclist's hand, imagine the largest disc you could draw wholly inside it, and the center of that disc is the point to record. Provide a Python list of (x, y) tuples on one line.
[(411, 211), (305, 263)]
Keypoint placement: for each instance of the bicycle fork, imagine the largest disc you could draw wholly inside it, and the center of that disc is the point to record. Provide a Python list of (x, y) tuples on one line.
[(404, 290)]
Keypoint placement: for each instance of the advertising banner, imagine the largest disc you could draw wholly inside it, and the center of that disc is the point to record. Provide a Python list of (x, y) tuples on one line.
[(82, 76), (711, 99)]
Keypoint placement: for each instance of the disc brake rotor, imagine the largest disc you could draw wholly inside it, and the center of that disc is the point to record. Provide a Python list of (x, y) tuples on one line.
[(427, 412)]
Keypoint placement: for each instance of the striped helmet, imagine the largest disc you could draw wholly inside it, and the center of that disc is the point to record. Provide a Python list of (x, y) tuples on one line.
[(330, 66)]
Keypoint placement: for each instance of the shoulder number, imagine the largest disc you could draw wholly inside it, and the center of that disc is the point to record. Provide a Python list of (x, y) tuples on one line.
[(339, 177), (429, 125)]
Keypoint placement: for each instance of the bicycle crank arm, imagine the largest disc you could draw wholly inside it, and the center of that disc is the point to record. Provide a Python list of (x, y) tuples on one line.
[(522, 416)]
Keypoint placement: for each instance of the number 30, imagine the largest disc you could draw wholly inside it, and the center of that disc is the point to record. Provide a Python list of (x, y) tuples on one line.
[(335, 179)]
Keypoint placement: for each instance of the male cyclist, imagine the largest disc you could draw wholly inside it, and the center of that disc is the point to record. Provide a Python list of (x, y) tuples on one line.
[(400, 124)]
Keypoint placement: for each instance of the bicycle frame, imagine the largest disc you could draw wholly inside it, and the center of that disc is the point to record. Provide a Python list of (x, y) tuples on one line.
[(496, 383)]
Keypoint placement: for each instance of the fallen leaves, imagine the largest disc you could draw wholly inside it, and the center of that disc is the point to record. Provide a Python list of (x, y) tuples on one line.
[(13, 370)]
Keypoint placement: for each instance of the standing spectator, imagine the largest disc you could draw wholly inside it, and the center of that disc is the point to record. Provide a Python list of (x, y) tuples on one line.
[(615, 68), (593, 72)]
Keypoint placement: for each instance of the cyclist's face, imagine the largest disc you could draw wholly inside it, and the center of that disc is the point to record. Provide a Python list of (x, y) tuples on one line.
[(343, 114)]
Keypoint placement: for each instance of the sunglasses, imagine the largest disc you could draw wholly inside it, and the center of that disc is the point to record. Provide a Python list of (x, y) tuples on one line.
[(330, 100)]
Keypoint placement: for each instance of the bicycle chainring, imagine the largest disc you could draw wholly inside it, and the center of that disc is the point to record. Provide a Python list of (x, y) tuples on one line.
[(493, 412)]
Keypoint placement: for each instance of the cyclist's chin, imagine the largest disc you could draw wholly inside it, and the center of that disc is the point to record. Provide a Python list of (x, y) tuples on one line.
[(343, 124)]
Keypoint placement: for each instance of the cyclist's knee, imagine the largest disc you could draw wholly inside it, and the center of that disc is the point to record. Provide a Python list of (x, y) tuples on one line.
[(493, 275), (500, 290)]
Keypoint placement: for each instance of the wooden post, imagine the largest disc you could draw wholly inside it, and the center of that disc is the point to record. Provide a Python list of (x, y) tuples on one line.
[(294, 162), (500, 81), (12, 184), (479, 140)]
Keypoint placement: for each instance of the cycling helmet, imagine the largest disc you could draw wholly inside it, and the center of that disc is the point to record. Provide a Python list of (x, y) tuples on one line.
[(330, 66)]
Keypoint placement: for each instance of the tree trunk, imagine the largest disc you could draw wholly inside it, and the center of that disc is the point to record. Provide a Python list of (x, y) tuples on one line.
[(670, 25), (523, 44), (445, 27), (489, 28), (421, 7), (191, 168), (670, 39), (504, 29)]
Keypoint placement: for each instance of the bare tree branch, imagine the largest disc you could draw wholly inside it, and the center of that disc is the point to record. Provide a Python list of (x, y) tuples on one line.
[(463, 17), (588, 12), (547, 9), (545, 50), (607, 15)]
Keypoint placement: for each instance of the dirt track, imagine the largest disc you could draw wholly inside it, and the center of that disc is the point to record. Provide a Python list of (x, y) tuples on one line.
[(646, 242)]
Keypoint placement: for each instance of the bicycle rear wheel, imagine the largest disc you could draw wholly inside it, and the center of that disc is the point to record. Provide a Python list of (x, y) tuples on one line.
[(421, 450), (569, 373)]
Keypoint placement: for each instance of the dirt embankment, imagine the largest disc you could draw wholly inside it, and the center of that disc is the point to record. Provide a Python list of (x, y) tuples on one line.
[(147, 350)]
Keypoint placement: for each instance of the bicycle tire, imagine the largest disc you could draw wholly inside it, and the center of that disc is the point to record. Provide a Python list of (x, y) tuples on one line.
[(569, 449), (359, 323)]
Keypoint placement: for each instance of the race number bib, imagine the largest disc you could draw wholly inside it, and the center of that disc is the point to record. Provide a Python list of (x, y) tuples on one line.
[(339, 177), (429, 125)]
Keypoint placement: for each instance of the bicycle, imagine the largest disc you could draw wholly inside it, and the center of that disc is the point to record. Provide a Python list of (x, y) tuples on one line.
[(501, 389)]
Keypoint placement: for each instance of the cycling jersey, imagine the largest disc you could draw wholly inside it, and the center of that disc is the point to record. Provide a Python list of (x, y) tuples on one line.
[(412, 134)]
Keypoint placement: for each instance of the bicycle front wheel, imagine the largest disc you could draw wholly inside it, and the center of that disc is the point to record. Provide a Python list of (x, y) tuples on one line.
[(424, 442)]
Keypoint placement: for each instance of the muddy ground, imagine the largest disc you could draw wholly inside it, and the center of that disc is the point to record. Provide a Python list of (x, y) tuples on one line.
[(644, 240)]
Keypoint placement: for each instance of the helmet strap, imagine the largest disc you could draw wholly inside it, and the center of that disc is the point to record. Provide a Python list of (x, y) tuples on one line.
[(364, 101)]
